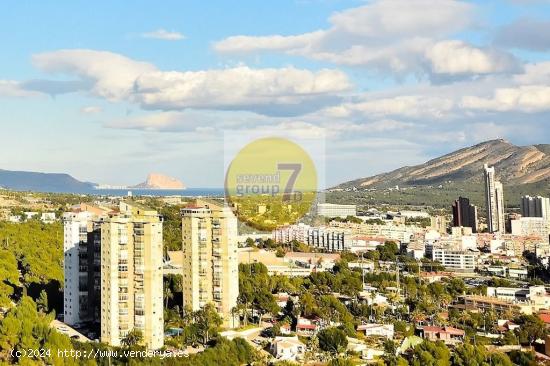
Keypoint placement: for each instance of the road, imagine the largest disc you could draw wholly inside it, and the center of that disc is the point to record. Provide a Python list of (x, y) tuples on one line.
[(68, 331)]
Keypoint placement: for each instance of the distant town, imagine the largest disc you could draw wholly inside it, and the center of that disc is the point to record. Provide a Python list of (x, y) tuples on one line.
[(177, 275)]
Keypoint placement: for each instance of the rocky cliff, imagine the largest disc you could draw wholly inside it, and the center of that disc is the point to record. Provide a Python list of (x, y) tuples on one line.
[(514, 165), (160, 181)]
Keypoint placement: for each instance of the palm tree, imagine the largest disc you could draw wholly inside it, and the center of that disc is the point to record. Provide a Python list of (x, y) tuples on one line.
[(234, 313), (168, 295), (133, 338)]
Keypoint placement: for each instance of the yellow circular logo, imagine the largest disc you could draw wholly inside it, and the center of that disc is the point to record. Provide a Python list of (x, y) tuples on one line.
[(271, 182)]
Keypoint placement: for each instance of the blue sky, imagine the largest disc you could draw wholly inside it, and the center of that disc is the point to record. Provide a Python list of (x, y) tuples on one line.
[(109, 91)]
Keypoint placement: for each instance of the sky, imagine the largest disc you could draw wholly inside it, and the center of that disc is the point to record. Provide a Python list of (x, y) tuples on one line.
[(110, 91)]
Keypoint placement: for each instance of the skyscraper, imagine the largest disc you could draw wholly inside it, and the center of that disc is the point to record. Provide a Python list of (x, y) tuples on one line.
[(131, 276), (494, 201), (81, 246), (535, 207), (210, 263), (464, 214)]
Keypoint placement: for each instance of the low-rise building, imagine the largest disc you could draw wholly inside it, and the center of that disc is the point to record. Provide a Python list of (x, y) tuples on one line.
[(456, 260), (448, 335), (476, 302), (308, 326), (336, 210), (14, 218), (377, 330), (366, 266), (287, 349), (517, 273), (515, 294), (30, 214), (505, 325), (432, 277), (48, 217)]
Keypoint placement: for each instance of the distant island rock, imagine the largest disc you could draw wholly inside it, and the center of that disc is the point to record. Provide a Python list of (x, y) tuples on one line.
[(160, 181)]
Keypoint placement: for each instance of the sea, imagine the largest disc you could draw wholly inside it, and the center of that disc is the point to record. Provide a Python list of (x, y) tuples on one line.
[(189, 192)]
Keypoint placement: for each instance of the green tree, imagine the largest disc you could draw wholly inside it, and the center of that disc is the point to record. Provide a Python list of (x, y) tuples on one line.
[(332, 340), (208, 321), (9, 276), (521, 358), (431, 354), (509, 338), (23, 327), (390, 353), (531, 328), (133, 338), (42, 302), (388, 251), (341, 362)]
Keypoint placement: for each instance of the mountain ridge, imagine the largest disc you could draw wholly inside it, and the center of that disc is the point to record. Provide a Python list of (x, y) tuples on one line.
[(42, 182), (513, 164)]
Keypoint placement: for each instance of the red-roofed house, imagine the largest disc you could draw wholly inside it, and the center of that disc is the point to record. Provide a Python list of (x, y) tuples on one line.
[(545, 317), (305, 326), (504, 325), (448, 335)]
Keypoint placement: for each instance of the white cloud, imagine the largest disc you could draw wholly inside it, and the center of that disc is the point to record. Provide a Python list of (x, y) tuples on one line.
[(535, 73), (457, 57), (525, 98), (380, 20), (403, 18), (393, 36), (164, 35), (91, 110), (244, 44), (116, 77), (411, 106), (188, 121), (10, 88), (112, 75), (239, 87)]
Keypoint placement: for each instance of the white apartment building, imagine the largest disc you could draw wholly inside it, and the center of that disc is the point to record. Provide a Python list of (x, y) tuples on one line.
[(531, 226), (535, 207), (335, 210), (516, 294), (460, 231), (288, 233), (326, 238), (131, 276), (75, 266), (414, 214), (494, 201), (210, 259), (389, 231), (457, 260), (439, 224)]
